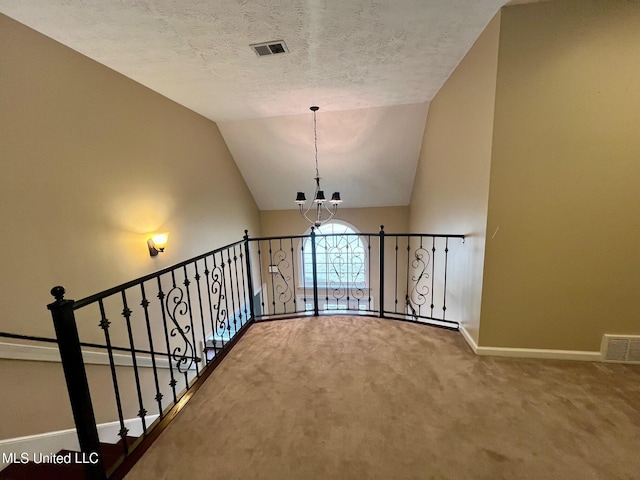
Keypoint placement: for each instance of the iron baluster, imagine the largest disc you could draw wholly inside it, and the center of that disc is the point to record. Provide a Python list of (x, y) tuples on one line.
[(433, 263), (262, 312), (104, 325), (407, 299), (340, 275), (280, 275), (145, 307), (293, 270), (126, 313), (197, 277), (349, 259), (444, 293), (303, 267), (354, 291), (161, 296), (209, 291), (247, 254), (314, 267), (395, 283), (226, 327), (241, 307), (233, 296), (273, 287), (327, 270), (244, 283), (369, 271), (75, 375), (381, 271), (236, 313), (419, 278), (195, 360)]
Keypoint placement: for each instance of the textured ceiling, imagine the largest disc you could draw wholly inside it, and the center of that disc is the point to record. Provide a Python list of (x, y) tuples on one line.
[(346, 56)]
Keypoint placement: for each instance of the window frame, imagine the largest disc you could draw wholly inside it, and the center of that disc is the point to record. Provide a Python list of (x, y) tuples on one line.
[(305, 247)]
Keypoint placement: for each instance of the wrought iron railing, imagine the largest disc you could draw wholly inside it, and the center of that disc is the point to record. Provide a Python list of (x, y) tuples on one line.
[(173, 325), (163, 333), (401, 276)]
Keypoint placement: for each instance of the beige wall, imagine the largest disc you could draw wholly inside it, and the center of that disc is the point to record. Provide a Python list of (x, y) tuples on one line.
[(452, 180), (91, 164), (564, 267), (33, 406), (366, 220)]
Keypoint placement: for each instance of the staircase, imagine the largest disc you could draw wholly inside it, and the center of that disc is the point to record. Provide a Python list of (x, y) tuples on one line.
[(219, 341), (73, 470)]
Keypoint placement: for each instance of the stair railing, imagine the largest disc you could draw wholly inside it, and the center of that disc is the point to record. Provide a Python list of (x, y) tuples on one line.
[(170, 328), (160, 333)]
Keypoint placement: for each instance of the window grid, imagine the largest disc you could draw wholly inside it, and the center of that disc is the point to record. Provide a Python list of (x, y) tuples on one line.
[(341, 261)]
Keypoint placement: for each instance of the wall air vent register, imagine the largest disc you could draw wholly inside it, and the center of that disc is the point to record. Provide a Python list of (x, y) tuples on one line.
[(621, 349)]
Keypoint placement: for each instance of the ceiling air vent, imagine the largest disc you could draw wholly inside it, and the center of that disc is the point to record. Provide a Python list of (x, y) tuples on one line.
[(618, 348), (270, 48)]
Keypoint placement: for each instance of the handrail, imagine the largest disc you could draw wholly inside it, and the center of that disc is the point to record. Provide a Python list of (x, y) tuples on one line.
[(28, 337), (132, 283), (82, 344), (364, 234)]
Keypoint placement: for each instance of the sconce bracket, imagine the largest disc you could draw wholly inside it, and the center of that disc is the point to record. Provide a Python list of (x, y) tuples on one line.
[(153, 251)]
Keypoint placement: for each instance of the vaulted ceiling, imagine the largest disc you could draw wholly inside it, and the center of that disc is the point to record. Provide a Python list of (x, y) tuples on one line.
[(371, 65)]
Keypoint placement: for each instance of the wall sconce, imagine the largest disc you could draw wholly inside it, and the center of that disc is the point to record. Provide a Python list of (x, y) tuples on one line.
[(157, 243)]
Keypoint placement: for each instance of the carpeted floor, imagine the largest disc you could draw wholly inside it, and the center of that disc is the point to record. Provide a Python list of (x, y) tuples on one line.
[(361, 398)]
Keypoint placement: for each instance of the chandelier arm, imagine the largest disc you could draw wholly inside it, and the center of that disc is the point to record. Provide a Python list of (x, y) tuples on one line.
[(305, 212), (319, 213), (332, 211)]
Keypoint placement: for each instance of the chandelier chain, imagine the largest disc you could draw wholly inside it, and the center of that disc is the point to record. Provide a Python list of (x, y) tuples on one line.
[(315, 142)]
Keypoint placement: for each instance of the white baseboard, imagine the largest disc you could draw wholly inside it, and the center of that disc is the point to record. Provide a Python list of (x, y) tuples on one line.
[(467, 336), (52, 442), (584, 356), (579, 355)]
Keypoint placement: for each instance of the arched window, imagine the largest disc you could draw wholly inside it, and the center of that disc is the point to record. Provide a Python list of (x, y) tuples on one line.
[(341, 257)]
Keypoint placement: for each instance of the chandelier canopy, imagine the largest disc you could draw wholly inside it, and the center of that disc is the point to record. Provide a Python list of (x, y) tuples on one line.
[(323, 213)]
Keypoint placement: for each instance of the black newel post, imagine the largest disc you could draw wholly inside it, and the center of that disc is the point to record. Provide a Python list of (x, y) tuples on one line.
[(381, 286), (249, 276), (74, 372), (316, 310)]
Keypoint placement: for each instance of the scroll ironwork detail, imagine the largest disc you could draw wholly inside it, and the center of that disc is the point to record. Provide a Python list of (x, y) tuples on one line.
[(420, 290), (219, 300), (282, 280), (177, 307)]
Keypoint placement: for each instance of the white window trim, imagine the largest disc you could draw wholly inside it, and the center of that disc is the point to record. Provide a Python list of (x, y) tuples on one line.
[(300, 258)]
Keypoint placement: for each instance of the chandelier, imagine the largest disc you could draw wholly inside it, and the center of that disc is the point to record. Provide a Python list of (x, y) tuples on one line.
[(323, 213)]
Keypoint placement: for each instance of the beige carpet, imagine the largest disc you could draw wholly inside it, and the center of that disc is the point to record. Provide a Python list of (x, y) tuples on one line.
[(362, 398)]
